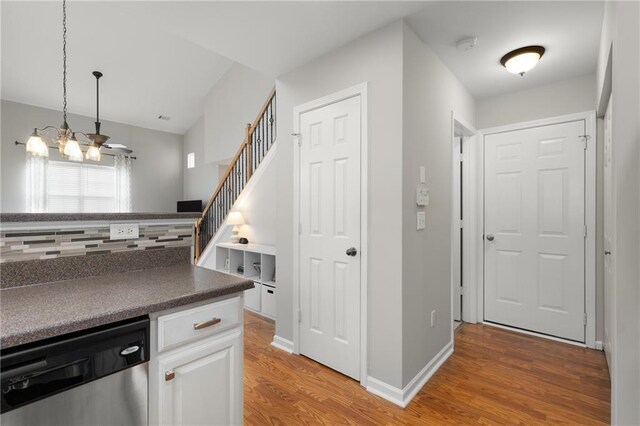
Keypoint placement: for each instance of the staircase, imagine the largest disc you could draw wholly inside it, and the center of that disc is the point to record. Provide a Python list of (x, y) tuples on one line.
[(259, 138)]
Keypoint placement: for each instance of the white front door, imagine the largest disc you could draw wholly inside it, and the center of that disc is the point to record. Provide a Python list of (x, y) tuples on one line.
[(329, 279), (609, 244), (534, 229)]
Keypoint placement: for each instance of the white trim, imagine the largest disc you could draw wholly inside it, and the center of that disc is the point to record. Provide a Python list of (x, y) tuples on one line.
[(403, 397), (470, 137), (599, 345), (589, 119), (590, 188), (534, 334), (362, 91), (246, 192), (282, 344)]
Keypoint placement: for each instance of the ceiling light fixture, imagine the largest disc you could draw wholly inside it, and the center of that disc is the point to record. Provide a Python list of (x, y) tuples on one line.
[(97, 140), (521, 60), (36, 146), (66, 139)]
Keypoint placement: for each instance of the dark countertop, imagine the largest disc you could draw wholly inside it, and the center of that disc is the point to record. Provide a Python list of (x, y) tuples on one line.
[(64, 217), (36, 312)]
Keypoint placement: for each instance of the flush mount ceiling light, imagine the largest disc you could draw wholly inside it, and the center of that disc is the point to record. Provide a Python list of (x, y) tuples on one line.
[(521, 60)]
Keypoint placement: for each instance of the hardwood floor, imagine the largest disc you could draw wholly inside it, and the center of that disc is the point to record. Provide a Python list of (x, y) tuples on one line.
[(494, 377)]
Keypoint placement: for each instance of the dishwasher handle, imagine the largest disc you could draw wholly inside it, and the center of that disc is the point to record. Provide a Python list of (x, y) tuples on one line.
[(25, 369)]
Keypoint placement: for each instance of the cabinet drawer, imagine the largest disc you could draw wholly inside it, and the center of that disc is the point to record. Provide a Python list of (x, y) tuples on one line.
[(196, 323), (268, 301)]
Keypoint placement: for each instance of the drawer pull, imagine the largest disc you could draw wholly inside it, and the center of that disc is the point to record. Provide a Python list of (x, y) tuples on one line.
[(169, 375), (201, 325)]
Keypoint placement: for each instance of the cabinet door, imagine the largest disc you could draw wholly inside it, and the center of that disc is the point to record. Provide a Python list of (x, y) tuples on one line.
[(252, 297), (202, 384)]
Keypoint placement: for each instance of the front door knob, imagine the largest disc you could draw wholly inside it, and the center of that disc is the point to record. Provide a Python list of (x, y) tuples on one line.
[(490, 237), (352, 251)]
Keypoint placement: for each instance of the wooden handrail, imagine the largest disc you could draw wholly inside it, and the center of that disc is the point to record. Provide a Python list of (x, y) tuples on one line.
[(262, 110), (248, 169)]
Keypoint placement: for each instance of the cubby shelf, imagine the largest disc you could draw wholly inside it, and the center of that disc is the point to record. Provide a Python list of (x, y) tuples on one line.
[(230, 256)]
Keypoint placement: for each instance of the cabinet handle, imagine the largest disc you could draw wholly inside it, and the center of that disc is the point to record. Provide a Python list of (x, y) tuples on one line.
[(201, 325), (169, 375)]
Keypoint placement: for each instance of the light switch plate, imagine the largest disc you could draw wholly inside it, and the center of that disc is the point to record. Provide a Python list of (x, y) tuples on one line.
[(423, 175), (422, 196), (124, 231), (421, 221)]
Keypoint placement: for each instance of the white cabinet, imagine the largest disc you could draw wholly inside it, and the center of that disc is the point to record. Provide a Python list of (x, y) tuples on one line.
[(195, 367), (256, 262), (199, 385)]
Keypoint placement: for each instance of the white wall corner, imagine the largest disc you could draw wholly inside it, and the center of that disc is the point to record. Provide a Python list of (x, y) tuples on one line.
[(282, 344), (403, 397)]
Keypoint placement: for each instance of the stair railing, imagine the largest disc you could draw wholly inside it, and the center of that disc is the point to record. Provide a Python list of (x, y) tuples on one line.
[(259, 137)]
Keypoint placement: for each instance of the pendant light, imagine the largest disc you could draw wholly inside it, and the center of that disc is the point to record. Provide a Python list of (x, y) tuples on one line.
[(67, 143), (97, 140), (521, 60)]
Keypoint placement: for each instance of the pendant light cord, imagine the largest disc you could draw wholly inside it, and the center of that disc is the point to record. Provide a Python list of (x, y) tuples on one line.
[(64, 60)]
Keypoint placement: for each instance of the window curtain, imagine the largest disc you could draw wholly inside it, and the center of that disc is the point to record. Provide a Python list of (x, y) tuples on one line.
[(122, 165), (36, 183)]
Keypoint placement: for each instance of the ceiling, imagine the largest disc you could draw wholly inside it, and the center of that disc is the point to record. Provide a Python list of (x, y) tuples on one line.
[(569, 31), (164, 57)]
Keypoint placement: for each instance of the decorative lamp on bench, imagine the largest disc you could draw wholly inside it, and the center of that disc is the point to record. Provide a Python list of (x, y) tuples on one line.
[(235, 219)]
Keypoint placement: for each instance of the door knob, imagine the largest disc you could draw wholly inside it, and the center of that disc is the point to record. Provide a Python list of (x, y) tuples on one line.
[(607, 252), (490, 237), (352, 251)]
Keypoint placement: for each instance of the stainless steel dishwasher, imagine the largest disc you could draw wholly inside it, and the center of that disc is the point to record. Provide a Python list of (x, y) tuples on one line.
[(94, 377)]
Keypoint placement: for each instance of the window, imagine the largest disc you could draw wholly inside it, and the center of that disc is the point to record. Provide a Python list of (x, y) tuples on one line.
[(191, 160), (80, 188)]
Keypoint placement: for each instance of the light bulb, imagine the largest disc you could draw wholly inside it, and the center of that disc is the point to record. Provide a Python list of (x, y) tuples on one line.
[(93, 153), (72, 149)]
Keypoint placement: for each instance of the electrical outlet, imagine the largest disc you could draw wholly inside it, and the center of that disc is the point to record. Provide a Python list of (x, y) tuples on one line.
[(124, 231), (433, 318)]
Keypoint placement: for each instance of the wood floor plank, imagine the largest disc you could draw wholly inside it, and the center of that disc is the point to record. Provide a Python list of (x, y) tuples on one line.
[(495, 376)]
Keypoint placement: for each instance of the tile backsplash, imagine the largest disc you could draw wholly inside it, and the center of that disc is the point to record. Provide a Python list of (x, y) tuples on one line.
[(85, 241)]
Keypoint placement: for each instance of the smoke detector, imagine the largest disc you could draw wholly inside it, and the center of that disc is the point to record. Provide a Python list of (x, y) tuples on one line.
[(467, 44)]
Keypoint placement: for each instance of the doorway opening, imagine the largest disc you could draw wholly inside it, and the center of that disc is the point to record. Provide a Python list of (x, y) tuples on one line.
[(463, 223)]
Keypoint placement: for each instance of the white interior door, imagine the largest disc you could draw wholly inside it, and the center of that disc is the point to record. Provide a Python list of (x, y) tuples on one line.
[(535, 229), (329, 226), (609, 244)]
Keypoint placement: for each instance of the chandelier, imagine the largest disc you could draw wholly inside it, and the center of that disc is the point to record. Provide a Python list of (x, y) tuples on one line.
[(64, 136)]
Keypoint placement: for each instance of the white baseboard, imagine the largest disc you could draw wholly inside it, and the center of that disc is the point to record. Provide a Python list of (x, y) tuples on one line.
[(383, 390), (599, 345), (403, 397), (282, 344)]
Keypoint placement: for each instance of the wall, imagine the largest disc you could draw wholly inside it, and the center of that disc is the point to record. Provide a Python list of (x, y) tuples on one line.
[(156, 174), (618, 70), (232, 103), (563, 97), (377, 59), (201, 180), (431, 93)]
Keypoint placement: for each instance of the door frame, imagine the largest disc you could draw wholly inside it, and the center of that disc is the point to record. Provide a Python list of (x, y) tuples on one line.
[(470, 138), (589, 118), (360, 90)]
